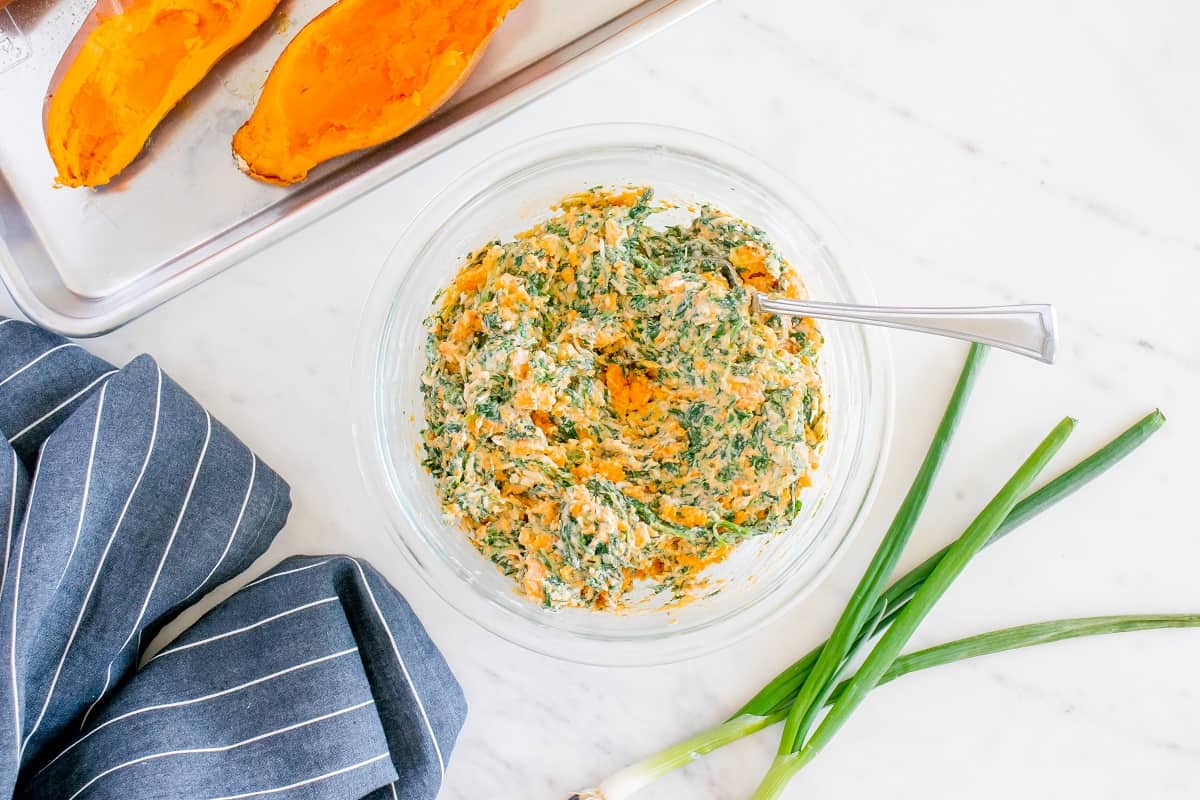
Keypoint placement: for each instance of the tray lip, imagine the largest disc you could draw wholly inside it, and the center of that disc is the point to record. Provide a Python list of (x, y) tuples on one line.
[(359, 177)]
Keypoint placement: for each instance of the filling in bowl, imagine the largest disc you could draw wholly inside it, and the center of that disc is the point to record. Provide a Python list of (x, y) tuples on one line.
[(603, 409)]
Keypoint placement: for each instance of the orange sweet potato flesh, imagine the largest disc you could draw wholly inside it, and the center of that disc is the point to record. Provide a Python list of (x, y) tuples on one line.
[(128, 66), (361, 73)]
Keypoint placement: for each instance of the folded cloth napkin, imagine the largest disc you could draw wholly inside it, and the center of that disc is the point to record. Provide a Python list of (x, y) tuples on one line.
[(122, 501)]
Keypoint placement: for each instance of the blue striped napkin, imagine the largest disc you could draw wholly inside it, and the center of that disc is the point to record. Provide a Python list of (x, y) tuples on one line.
[(122, 501)]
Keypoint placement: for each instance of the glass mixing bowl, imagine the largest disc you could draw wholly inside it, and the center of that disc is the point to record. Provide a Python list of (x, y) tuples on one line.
[(509, 193)]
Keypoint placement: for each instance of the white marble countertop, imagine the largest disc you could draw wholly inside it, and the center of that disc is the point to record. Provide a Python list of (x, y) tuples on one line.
[(973, 153)]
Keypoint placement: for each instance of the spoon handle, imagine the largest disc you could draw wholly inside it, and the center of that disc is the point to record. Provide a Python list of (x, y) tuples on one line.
[(1026, 329)]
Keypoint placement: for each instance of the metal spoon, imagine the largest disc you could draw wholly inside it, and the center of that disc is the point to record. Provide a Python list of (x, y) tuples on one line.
[(1027, 329)]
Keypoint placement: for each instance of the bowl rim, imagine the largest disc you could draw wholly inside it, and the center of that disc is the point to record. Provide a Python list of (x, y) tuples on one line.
[(375, 459)]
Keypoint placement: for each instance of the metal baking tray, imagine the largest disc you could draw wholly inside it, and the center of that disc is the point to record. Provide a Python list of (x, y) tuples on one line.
[(82, 262)]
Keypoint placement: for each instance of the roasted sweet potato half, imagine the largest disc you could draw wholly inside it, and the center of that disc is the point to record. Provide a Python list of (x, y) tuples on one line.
[(127, 67), (361, 73)]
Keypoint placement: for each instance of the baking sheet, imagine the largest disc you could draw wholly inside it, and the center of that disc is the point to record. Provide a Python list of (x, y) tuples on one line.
[(83, 261)]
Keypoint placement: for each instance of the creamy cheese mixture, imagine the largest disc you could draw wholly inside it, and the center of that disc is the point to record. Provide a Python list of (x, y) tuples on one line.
[(603, 408)]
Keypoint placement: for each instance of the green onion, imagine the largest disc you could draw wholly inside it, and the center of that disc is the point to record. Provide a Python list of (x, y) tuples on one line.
[(1037, 633), (902, 628), (781, 690), (1037, 502), (637, 776), (863, 602), (874, 626)]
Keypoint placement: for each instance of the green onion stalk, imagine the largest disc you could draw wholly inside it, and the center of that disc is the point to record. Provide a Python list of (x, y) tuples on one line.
[(777, 700), (800, 752), (781, 690), (637, 776), (862, 606)]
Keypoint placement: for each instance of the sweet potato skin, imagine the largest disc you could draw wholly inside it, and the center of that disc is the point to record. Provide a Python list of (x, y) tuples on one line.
[(361, 73), (128, 66)]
